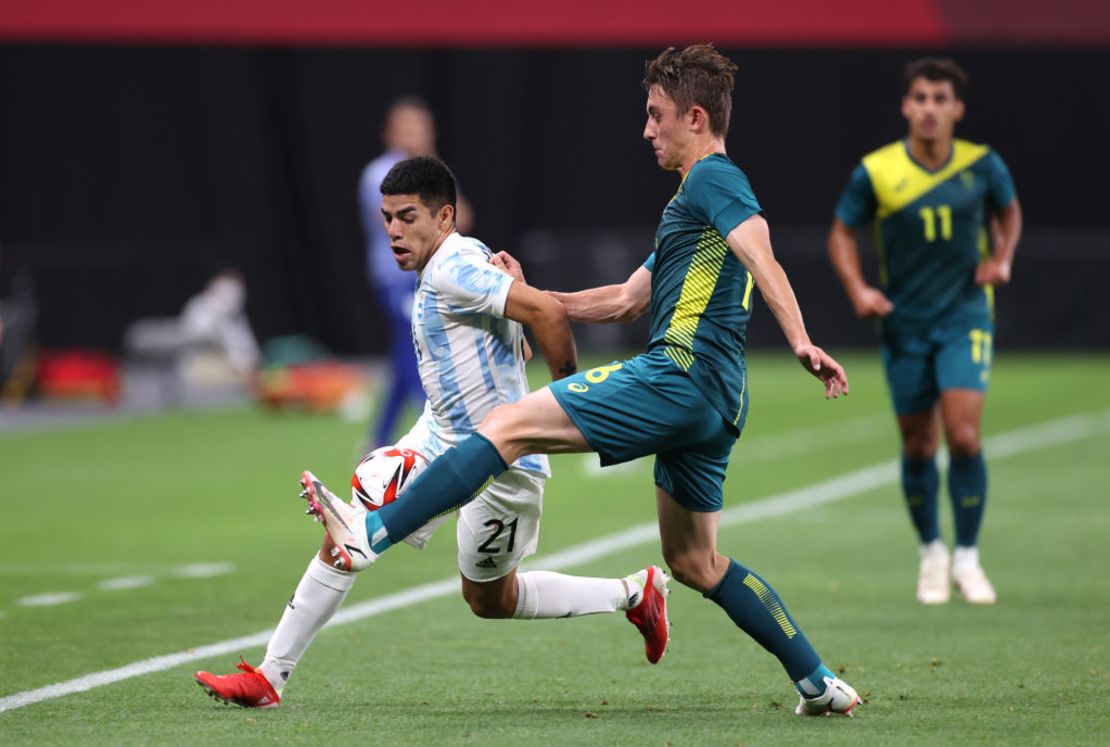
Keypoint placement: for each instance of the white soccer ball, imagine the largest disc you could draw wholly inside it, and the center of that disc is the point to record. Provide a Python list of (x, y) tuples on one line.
[(383, 474)]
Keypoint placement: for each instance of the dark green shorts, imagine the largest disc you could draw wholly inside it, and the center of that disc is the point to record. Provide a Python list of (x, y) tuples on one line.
[(648, 405), (921, 363)]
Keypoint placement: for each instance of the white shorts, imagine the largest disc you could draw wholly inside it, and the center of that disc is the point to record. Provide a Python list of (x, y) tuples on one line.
[(495, 531)]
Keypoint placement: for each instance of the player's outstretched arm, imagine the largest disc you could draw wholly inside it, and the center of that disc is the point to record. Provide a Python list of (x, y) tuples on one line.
[(549, 324), (867, 301), (621, 302), (1006, 231), (751, 242)]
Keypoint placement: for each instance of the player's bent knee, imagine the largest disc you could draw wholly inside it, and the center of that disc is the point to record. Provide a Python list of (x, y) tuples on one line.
[(919, 450), (488, 610), (963, 441), (489, 604), (696, 571)]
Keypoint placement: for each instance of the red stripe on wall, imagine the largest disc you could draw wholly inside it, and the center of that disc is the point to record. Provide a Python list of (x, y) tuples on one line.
[(1017, 22), (479, 24)]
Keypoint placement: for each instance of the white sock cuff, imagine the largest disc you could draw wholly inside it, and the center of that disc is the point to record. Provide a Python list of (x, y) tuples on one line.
[(333, 578), (527, 598), (962, 555)]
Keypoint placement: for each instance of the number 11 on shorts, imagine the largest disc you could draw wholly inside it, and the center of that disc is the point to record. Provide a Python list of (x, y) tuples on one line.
[(980, 346)]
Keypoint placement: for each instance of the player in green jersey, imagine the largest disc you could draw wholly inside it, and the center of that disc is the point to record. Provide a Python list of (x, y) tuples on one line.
[(683, 400), (931, 199)]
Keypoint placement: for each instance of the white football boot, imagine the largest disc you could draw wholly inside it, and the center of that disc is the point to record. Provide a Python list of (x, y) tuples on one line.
[(969, 577), (345, 524), (839, 697), (932, 578)]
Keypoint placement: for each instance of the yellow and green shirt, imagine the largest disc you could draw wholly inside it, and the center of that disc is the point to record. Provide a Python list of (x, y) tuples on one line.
[(930, 226), (700, 292)]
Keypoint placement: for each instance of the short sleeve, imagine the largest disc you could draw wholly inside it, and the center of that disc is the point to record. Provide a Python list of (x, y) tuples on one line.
[(649, 263), (1000, 190), (720, 194), (857, 203), (469, 284)]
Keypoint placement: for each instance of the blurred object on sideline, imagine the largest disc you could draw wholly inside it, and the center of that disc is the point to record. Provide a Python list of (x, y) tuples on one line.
[(78, 374), (298, 374), (17, 341), (209, 344)]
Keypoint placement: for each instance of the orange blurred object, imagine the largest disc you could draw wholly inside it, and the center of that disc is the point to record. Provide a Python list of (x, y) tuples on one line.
[(309, 386)]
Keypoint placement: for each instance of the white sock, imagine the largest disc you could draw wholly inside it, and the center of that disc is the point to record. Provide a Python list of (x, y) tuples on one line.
[(545, 594), (321, 590), (965, 557)]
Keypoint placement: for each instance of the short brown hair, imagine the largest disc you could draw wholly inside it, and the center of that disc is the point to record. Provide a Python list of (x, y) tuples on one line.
[(697, 76), (936, 69)]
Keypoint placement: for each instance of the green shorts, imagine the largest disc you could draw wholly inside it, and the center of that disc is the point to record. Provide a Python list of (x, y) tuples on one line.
[(921, 363), (648, 405)]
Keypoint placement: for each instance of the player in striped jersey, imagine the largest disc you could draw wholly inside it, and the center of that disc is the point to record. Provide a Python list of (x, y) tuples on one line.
[(470, 345), (683, 400)]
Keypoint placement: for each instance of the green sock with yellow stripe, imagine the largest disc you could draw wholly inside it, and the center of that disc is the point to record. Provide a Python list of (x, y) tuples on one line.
[(967, 487), (757, 610)]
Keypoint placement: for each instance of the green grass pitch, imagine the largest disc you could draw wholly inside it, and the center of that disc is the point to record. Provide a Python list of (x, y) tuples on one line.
[(141, 499)]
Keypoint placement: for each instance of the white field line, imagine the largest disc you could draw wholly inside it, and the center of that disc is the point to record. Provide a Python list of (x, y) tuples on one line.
[(100, 568), (49, 599), (54, 598), (203, 570), (1044, 435), (125, 582)]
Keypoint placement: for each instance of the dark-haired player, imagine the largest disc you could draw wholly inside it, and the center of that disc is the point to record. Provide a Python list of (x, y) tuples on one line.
[(467, 331), (931, 199)]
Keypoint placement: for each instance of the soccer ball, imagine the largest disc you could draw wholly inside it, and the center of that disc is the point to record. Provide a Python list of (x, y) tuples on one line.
[(383, 474)]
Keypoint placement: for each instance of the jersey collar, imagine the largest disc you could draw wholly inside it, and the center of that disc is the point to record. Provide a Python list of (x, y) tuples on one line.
[(923, 167)]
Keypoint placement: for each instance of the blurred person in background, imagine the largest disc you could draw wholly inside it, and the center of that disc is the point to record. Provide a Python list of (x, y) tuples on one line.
[(217, 316), (409, 131), (930, 198), (18, 312), (214, 321)]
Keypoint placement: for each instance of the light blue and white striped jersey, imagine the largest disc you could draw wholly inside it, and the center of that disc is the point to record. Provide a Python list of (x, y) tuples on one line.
[(471, 357)]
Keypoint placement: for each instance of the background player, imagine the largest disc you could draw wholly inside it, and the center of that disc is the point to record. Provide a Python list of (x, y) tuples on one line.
[(468, 332), (685, 399), (929, 196), (409, 131)]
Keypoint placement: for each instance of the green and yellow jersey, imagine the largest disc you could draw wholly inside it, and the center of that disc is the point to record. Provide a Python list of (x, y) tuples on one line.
[(930, 226), (700, 292)]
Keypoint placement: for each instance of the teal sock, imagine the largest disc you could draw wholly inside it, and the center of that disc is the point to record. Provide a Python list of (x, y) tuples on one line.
[(920, 485), (757, 610), (813, 684), (967, 487), (456, 477)]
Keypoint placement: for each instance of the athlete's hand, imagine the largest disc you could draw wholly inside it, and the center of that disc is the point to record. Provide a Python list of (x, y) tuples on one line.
[(821, 364), (868, 302), (507, 264), (992, 272)]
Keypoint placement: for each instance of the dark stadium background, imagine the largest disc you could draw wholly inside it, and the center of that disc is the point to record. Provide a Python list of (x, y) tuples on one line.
[(139, 152)]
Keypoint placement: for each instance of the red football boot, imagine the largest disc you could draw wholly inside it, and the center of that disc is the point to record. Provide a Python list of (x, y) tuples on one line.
[(248, 688), (649, 615)]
